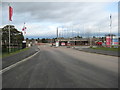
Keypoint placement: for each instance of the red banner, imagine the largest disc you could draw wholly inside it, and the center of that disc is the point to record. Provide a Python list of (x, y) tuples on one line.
[(108, 41), (10, 13)]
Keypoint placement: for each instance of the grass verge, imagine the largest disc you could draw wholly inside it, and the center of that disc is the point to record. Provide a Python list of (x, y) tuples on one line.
[(107, 48), (12, 53)]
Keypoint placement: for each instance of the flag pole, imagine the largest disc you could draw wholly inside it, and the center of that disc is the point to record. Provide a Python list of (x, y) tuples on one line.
[(24, 30), (9, 32), (110, 30), (9, 38)]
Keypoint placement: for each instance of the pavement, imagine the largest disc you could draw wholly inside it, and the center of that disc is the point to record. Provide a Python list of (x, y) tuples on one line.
[(63, 68), (7, 61), (87, 49)]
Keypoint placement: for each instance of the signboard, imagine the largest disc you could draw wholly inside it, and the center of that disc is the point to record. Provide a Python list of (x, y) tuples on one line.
[(63, 44), (68, 43), (115, 40), (57, 43), (24, 41), (108, 41), (23, 44)]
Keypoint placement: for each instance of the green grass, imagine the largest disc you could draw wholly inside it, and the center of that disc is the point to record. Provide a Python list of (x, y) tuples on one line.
[(12, 53), (107, 48)]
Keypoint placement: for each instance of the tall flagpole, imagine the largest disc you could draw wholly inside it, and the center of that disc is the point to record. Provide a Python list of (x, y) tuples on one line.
[(10, 19), (110, 30), (9, 38), (9, 31), (24, 31), (57, 32)]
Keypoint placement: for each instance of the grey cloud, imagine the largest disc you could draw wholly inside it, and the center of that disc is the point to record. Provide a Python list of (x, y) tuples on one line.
[(61, 12)]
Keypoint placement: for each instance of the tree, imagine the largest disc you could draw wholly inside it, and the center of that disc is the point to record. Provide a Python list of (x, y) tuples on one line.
[(39, 40), (110, 35), (16, 37), (44, 40)]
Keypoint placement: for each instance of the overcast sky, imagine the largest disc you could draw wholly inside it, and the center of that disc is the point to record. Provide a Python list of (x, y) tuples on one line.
[(42, 18)]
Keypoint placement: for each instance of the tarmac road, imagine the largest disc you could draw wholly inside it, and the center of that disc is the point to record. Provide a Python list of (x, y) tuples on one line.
[(64, 68)]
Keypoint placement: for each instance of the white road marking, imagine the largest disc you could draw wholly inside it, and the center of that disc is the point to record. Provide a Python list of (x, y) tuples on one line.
[(13, 65)]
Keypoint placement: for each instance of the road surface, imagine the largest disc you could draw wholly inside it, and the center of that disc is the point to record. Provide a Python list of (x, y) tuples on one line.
[(64, 68)]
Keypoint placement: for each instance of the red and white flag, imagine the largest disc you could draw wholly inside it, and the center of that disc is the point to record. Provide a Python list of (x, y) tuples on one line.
[(10, 13), (24, 29)]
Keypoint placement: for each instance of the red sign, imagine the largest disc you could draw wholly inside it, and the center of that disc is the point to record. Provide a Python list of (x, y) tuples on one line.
[(63, 44), (108, 41)]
